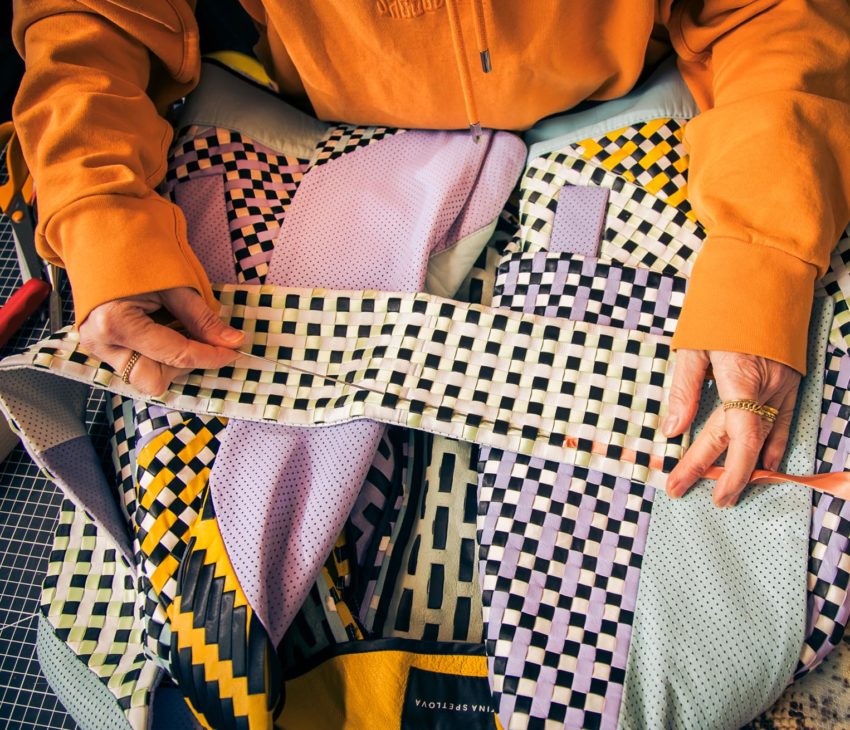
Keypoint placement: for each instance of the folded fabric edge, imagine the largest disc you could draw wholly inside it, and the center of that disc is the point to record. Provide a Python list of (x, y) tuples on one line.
[(223, 99), (86, 698), (47, 411)]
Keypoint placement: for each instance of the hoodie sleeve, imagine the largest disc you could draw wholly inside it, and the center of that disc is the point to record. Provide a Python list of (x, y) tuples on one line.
[(98, 73), (769, 166)]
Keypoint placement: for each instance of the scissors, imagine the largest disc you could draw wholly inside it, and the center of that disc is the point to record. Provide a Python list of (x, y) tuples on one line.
[(16, 196)]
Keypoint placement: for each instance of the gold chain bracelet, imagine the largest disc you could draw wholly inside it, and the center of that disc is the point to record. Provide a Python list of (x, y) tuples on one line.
[(769, 413)]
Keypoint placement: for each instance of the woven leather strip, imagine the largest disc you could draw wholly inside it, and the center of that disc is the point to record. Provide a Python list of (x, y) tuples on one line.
[(573, 392), (568, 391)]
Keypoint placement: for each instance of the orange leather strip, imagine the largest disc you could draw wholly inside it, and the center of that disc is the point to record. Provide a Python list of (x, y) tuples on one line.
[(834, 483)]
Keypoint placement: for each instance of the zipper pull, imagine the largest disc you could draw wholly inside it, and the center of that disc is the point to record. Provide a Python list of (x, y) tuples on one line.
[(485, 60)]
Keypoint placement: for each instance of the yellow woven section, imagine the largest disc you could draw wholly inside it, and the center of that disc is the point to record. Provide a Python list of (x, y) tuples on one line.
[(650, 155), (251, 706)]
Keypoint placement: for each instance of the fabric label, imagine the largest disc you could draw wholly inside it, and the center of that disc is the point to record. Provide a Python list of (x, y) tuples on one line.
[(436, 701)]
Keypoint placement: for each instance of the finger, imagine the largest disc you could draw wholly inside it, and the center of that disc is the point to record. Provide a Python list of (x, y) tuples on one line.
[(746, 433), (777, 439), (147, 376), (688, 375), (199, 320), (704, 451), (135, 330)]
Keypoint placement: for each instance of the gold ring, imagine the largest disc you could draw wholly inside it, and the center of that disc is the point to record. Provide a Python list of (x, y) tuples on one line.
[(134, 358), (769, 413)]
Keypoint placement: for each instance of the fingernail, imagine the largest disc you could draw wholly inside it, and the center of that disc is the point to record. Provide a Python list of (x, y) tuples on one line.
[(232, 335), (771, 464), (673, 488), (669, 425)]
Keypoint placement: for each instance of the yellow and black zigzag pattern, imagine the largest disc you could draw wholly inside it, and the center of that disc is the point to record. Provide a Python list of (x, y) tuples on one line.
[(172, 478), (650, 155), (218, 651), (173, 473), (221, 656)]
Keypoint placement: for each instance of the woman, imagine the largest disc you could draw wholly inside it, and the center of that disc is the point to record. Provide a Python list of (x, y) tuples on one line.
[(768, 174)]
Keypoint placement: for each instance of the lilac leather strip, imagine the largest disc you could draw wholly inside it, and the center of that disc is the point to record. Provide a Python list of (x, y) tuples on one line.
[(368, 219), (559, 565), (561, 547), (579, 217)]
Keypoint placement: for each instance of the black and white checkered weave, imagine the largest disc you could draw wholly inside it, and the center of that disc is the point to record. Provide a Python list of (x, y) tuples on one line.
[(345, 138), (172, 479), (640, 229), (561, 546), (590, 395), (650, 154), (259, 184), (561, 550), (89, 599), (585, 289)]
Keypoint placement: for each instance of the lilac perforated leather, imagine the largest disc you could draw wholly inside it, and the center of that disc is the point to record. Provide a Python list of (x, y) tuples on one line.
[(497, 174), (369, 219), (282, 495), (202, 202), (76, 462), (577, 227)]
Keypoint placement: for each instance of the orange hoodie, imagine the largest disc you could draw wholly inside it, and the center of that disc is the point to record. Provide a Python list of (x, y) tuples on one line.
[(770, 154)]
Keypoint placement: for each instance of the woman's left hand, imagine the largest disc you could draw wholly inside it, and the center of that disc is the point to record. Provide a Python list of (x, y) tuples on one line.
[(744, 436)]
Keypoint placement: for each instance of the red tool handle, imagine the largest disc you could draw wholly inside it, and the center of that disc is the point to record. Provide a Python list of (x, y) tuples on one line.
[(18, 307)]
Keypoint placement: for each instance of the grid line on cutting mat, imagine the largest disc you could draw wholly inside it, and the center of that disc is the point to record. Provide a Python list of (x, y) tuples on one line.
[(29, 510)]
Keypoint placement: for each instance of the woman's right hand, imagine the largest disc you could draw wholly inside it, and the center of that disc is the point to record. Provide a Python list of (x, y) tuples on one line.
[(115, 329)]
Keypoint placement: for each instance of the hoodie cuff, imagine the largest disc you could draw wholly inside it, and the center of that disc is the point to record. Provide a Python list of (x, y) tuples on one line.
[(116, 246), (748, 298)]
